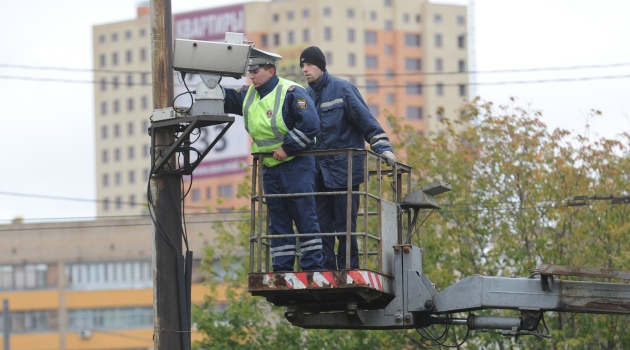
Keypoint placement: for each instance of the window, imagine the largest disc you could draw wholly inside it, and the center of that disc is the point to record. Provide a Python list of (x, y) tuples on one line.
[(461, 41), (145, 151), (130, 104), (437, 18), (329, 57), (132, 199), (351, 35), (128, 56), (373, 110), (413, 88), (437, 40), (143, 32), (414, 113), (144, 101), (291, 37), (129, 80), (103, 108), (110, 318), (143, 54), (438, 65), (114, 36), (389, 26), (306, 35), (128, 34), (406, 17), (412, 39), (413, 64), (327, 33), (119, 202), (144, 78), (196, 195), (461, 20), (418, 19), (350, 13), (276, 39), (462, 90), (306, 13), (208, 193), (105, 180), (371, 61), (117, 154), (264, 40), (439, 89), (104, 156), (391, 98), (116, 130), (132, 177), (102, 38), (115, 83), (389, 74), (371, 86), (114, 58), (373, 16), (130, 128), (104, 132), (106, 204), (327, 12), (103, 84), (461, 65), (116, 106), (117, 179), (276, 17), (226, 191), (387, 2), (103, 60), (146, 174), (290, 15), (389, 50), (370, 38), (352, 60), (131, 153)]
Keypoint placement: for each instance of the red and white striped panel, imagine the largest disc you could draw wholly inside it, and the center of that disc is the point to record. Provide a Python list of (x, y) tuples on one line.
[(299, 280)]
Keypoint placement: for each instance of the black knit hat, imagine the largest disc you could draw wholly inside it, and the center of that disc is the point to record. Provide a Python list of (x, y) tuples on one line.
[(315, 56)]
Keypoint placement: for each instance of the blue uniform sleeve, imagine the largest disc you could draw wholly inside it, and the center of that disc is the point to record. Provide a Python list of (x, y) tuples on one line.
[(233, 102), (360, 116), (300, 117)]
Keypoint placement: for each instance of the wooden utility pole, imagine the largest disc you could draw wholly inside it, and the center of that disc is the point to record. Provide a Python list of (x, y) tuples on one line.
[(165, 196)]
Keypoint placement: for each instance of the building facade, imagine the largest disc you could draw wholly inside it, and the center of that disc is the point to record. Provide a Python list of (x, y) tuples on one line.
[(409, 59), (89, 284)]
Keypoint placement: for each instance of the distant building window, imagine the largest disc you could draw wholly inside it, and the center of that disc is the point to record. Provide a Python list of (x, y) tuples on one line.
[(352, 60), (145, 102), (461, 64), (103, 84), (373, 110), (104, 132), (226, 191), (128, 56), (437, 18), (438, 65), (462, 90), (371, 61), (143, 32), (103, 108), (389, 50), (102, 39), (437, 38), (114, 36), (145, 151), (114, 58), (208, 193), (117, 154), (371, 86), (406, 17), (118, 200), (132, 178), (146, 174), (116, 130), (306, 35), (461, 20), (291, 37), (413, 39), (350, 13), (327, 12), (370, 37), (130, 104), (389, 74), (104, 156), (132, 199), (129, 80), (461, 41), (329, 57), (391, 98), (144, 78), (196, 195), (143, 54), (130, 128), (105, 180), (128, 34), (327, 33), (117, 179), (373, 15), (418, 19), (264, 40), (276, 17), (116, 106), (115, 83), (414, 113), (413, 88), (103, 60), (389, 25), (276, 39), (106, 204), (290, 15), (110, 318), (351, 36), (306, 13), (439, 89), (413, 64)]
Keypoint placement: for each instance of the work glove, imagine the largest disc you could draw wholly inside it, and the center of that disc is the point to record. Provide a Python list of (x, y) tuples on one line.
[(389, 157)]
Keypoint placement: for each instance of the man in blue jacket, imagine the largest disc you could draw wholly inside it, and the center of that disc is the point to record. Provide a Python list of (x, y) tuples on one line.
[(281, 119), (346, 122)]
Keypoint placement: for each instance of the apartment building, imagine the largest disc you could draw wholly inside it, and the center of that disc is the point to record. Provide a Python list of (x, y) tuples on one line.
[(88, 284), (409, 59)]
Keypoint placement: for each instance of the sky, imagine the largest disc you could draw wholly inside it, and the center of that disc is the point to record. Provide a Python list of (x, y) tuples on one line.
[(561, 57)]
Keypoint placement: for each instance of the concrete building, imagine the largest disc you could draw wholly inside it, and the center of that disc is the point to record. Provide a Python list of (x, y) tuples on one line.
[(397, 52), (88, 285)]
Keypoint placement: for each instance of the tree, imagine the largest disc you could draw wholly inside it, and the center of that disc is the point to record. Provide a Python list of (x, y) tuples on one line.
[(507, 214)]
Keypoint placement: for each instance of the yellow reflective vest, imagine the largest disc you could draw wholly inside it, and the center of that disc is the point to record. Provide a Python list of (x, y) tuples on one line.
[(263, 120)]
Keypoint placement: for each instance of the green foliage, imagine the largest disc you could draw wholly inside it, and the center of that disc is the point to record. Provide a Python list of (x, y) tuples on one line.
[(507, 214)]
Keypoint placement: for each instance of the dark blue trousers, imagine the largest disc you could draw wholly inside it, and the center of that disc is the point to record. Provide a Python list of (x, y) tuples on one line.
[(294, 176), (332, 213)]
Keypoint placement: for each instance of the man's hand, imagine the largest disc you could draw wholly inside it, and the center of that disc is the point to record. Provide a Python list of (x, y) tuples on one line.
[(280, 155), (390, 158)]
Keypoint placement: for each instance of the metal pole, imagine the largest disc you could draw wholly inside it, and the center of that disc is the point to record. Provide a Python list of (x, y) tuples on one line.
[(165, 191), (6, 324)]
